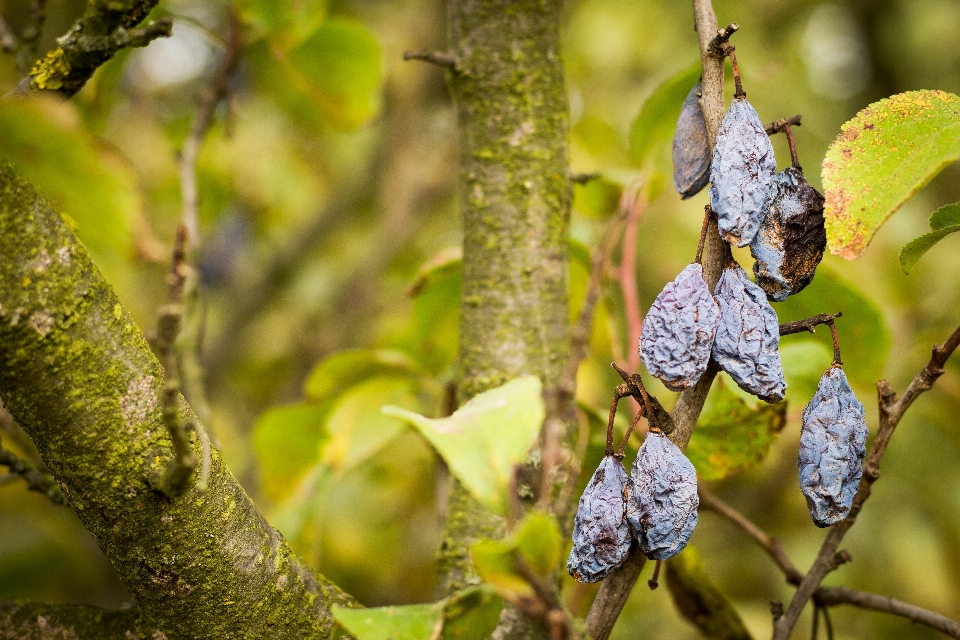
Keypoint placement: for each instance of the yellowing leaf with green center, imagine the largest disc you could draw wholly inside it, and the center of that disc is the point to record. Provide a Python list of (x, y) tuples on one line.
[(486, 437), (287, 441), (495, 562), (346, 368), (943, 222), (537, 538), (732, 436), (283, 23), (884, 155)]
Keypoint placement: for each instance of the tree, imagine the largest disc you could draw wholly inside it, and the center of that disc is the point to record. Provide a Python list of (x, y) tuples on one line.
[(133, 460)]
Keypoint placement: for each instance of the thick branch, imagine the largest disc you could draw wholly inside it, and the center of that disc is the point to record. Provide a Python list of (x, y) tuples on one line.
[(891, 411), (106, 27), (36, 620), (617, 586), (78, 376)]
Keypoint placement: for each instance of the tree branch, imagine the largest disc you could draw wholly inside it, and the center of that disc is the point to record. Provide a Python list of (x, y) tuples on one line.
[(36, 480), (78, 376), (825, 596), (617, 585), (22, 619), (891, 411), (439, 58), (807, 324), (105, 27), (782, 124)]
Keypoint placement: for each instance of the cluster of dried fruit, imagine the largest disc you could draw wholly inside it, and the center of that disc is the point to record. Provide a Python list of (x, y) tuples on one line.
[(656, 504)]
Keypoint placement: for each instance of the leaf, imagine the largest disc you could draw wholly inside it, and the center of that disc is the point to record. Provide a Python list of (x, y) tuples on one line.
[(538, 540), (287, 442), (598, 198), (338, 65), (657, 118), (284, 23), (358, 430), (804, 361), (91, 186), (436, 312), (944, 221), (472, 614), (346, 368), (700, 601), (731, 436), (495, 564), (410, 622), (486, 437), (884, 155), (864, 338)]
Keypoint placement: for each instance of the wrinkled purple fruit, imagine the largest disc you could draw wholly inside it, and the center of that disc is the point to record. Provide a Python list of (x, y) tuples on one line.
[(740, 173), (679, 329), (832, 446), (748, 336), (662, 501), (790, 242), (601, 533), (691, 150)]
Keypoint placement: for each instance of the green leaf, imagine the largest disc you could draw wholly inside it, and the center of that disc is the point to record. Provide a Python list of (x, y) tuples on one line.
[(495, 564), (864, 338), (338, 65), (700, 601), (436, 311), (658, 117), (486, 437), (410, 622), (884, 155), (804, 361), (287, 441), (538, 540), (944, 221), (471, 614), (346, 368), (283, 23), (598, 198), (358, 429), (732, 436), (94, 188)]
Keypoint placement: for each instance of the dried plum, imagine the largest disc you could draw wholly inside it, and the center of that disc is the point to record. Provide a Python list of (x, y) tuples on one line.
[(678, 330), (691, 149), (601, 533), (662, 501), (790, 242), (748, 336), (740, 174), (832, 446)]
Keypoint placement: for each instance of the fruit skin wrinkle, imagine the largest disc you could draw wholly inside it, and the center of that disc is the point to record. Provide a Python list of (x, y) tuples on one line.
[(691, 149), (748, 336), (679, 329), (833, 440), (601, 533), (662, 501), (741, 172)]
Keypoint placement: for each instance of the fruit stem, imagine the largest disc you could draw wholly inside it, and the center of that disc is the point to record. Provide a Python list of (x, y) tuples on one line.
[(836, 344), (707, 212), (730, 50), (793, 147)]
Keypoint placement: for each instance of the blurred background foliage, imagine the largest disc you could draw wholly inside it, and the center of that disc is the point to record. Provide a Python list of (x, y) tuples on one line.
[(330, 260)]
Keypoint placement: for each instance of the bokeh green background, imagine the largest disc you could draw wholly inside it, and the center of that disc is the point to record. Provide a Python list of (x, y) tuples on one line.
[(328, 188)]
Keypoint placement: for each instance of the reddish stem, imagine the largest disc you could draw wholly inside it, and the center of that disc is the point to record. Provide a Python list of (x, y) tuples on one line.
[(628, 283)]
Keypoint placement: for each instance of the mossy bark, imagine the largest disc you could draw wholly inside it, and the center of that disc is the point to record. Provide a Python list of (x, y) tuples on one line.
[(512, 110), (78, 375), (36, 621)]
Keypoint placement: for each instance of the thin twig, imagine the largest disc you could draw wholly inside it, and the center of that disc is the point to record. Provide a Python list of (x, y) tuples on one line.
[(723, 35), (36, 480), (808, 324), (584, 178), (635, 201), (731, 52), (824, 596), (707, 214), (891, 411), (177, 477), (780, 125), (439, 58)]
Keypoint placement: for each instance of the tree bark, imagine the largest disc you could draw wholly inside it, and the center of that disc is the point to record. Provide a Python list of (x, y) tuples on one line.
[(515, 192), (78, 375)]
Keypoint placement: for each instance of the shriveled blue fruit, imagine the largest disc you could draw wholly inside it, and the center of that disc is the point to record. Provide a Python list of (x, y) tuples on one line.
[(790, 242), (601, 534), (832, 446), (748, 336), (740, 173), (679, 329), (691, 150), (662, 502)]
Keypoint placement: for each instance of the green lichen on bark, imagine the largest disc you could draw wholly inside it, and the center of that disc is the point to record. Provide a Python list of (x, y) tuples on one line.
[(511, 101), (106, 27), (78, 375), (41, 621)]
